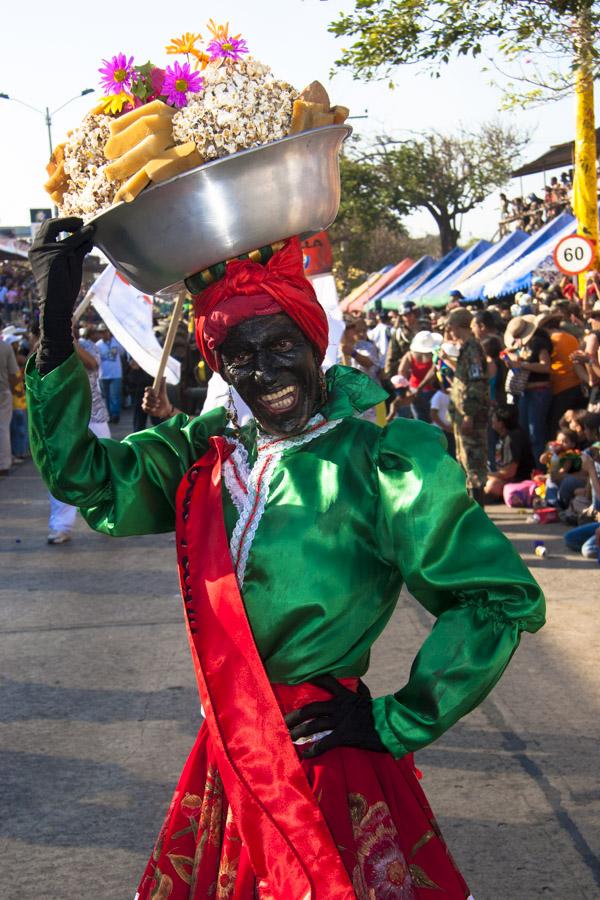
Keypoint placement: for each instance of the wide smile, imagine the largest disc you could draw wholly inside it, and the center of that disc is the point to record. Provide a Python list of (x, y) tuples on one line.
[(281, 401)]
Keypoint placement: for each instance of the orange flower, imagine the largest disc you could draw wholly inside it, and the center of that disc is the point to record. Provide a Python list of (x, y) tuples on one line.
[(219, 32), (202, 59), (185, 44)]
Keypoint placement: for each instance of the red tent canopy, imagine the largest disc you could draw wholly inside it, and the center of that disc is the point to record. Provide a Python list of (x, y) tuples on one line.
[(373, 287)]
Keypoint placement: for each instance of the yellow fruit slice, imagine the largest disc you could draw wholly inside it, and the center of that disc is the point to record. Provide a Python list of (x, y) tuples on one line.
[(149, 148), (57, 179), (340, 114), (173, 162), (132, 187), (303, 113), (316, 93), (125, 140), (156, 107)]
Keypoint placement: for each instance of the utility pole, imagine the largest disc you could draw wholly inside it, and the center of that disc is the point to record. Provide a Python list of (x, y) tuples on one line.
[(49, 127), (585, 186)]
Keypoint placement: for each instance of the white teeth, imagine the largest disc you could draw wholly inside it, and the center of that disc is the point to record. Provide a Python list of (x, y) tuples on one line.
[(278, 395), (283, 404)]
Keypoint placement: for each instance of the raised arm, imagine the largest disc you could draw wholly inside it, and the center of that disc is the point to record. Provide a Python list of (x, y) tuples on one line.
[(121, 488)]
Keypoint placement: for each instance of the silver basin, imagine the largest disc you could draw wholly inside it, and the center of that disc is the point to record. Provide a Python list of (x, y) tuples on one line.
[(224, 208)]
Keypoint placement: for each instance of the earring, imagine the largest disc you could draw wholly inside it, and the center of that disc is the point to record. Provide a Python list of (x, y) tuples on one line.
[(232, 411), (323, 386)]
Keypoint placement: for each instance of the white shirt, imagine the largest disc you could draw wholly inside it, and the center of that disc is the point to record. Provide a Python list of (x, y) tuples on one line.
[(380, 335), (441, 402)]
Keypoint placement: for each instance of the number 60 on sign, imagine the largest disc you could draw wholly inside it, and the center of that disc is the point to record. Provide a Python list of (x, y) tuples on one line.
[(574, 254)]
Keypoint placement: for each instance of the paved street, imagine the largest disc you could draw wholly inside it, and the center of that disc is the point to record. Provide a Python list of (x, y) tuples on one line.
[(98, 709)]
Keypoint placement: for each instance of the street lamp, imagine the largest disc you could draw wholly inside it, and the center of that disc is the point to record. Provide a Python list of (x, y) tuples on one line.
[(46, 113)]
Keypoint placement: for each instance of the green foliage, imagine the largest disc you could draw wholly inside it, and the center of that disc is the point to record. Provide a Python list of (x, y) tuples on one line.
[(364, 211), (448, 175), (389, 33)]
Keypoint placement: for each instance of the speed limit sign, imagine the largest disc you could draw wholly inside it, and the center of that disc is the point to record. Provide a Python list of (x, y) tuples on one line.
[(574, 254)]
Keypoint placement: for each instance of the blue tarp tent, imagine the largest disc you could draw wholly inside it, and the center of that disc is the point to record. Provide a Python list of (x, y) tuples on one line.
[(471, 280), (518, 276), (392, 294), (405, 291), (434, 292)]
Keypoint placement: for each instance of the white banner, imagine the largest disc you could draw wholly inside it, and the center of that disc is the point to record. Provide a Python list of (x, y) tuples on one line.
[(127, 313)]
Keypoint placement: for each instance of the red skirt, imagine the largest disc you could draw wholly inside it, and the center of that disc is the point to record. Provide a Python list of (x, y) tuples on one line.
[(379, 817)]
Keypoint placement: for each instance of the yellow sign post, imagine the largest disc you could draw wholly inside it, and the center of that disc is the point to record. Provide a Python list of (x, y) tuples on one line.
[(585, 200)]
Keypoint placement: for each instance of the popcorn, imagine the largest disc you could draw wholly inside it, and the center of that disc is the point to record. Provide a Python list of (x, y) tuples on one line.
[(90, 192), (227, 103), (240, 106)]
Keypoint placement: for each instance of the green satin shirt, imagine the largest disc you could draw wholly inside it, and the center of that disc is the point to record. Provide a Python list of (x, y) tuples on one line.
[(351, 513)]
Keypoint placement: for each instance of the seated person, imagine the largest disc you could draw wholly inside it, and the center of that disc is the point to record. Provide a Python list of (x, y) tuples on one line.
[(585, 539), (572, 420), (514, 461), (563, 463)]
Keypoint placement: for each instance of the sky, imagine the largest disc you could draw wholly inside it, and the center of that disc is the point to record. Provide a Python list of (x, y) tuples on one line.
[(51, 52)]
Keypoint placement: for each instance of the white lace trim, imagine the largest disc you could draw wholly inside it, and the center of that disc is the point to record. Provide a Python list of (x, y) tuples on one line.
[(270, 451), (236, 473)]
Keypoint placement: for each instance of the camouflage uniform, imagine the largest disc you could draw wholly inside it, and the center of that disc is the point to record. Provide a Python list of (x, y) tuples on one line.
[(470, 396), (399, 344)]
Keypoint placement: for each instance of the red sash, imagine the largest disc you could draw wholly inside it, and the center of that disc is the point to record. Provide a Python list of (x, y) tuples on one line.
[(289, 844)]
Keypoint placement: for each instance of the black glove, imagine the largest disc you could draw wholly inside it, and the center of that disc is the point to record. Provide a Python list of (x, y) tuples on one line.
[(58, 268), (349, 717)]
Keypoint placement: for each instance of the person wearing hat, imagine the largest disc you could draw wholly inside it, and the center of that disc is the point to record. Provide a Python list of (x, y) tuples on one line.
[(455, 302), (529, 351), (294, 534), (418, 369), (400, 337), (469, 402)]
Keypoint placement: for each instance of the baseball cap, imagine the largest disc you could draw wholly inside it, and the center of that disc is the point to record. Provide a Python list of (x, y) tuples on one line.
[(456, 294), (408, 306)]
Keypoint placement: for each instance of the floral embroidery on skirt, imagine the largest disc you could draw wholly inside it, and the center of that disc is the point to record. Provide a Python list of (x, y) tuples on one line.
[(374, 806)]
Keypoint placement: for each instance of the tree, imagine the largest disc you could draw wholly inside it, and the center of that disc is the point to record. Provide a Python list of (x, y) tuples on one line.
[(389, 33), (365, 211), (447, 175)]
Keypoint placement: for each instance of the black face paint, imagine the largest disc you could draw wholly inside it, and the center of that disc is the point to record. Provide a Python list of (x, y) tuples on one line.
[(273, 367)]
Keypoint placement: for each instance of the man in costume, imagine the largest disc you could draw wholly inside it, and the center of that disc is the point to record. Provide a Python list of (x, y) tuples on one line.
[(294, 535)]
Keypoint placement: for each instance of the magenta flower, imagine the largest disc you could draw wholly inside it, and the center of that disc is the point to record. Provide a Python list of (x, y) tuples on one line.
[(116, 74), (180, 80), (227, 48)]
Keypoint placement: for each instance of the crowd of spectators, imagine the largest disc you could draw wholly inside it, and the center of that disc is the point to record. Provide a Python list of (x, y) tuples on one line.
[(18, 294), (540, 361), (514, 387), (531, 212)]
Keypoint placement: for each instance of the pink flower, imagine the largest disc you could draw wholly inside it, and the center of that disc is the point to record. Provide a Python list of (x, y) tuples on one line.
[(179, 81), (227, 48), (116, 74), (157, 77)]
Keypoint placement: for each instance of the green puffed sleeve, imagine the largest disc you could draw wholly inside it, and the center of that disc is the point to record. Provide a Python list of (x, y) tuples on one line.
[(120, 487), (461, 568)]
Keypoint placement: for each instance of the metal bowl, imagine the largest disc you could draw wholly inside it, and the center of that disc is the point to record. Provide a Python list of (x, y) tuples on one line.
[(225, 208)]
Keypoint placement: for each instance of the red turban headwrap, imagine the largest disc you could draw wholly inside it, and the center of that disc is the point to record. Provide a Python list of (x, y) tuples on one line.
[(251, 289)]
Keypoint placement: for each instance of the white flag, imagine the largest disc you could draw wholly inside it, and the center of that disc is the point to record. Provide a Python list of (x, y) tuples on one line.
[(128, 315)]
